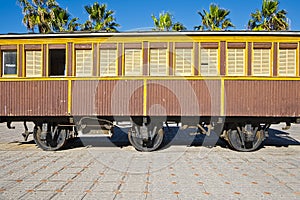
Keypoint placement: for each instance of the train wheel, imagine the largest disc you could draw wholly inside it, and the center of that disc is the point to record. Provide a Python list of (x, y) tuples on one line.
[(150, 143), (246, 139), (50, 141)]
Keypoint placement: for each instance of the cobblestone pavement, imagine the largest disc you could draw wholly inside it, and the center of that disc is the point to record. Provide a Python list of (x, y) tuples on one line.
[(180, 171)]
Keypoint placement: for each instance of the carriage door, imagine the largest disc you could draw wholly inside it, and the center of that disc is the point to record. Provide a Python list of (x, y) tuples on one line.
[(57, 60)]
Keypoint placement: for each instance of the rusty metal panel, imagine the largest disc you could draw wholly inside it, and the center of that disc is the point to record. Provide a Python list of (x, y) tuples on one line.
[(34, 98), (183, 97), (107, 97), (262, 98)]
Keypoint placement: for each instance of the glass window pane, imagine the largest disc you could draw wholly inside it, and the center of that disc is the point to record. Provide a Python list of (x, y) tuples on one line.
[(9, 62)]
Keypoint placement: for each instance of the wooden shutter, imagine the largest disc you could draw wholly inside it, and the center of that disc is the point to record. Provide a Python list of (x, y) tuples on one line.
[(33, 63), (108, 62), (133, 62), (261, 62), (158, 62), (287, 62), (236, 62), (84, 63), (183, 62), (209, 62)]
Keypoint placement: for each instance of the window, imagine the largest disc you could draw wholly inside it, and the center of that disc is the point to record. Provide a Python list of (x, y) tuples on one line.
[(209, 62), (9, 62), (84, 63), (183, 62), (57, 62), (236, 62), (108, 62), (33, 63), (133, 62), (287, 62), (158, 62), (261, 62)]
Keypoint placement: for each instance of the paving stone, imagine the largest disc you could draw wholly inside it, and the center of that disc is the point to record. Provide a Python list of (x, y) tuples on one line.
[(177, 172)]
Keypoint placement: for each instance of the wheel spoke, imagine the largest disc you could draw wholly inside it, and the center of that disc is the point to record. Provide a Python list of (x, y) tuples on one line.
[(151, 143), (248, 138), (50, 141)]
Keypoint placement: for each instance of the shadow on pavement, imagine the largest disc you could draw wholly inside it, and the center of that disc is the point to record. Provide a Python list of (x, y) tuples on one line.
[(176, 136)]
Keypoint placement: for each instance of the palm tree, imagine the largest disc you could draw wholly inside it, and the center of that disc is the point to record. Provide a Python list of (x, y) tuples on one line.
[(269, 18), (163, 22), (61, 21), (178, 27), (47, 16), (38, 14), (214, 20), (100, 19)]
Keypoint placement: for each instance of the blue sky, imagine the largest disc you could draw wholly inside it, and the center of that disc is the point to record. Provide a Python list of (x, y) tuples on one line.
[(136, 14)]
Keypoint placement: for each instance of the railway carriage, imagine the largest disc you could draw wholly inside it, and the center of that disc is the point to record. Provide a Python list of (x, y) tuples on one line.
[(234, 83)]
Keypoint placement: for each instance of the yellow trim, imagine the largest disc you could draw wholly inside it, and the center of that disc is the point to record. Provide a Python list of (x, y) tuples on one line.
[(145, 98), (69, 96), (23, 61), (297, 61), (146, 78)]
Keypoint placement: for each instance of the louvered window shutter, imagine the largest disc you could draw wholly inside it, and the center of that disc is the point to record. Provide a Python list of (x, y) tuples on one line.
[(209, 62), (84, 63), (133, 62), (183, 62), (108, 62), (158, 62), (236, 62), (261, 62), (287, 62), (33, 63)]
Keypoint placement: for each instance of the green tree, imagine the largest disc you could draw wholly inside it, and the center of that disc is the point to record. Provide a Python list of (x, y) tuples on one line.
[(215, 19), (38, 13), (100, 19), (47, 16), (269, 18), (165, 23), (178, 27), (61, 21)]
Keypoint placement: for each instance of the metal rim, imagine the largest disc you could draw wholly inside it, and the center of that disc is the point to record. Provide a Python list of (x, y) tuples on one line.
[(45, 141), (235, 141), (146, 146)]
